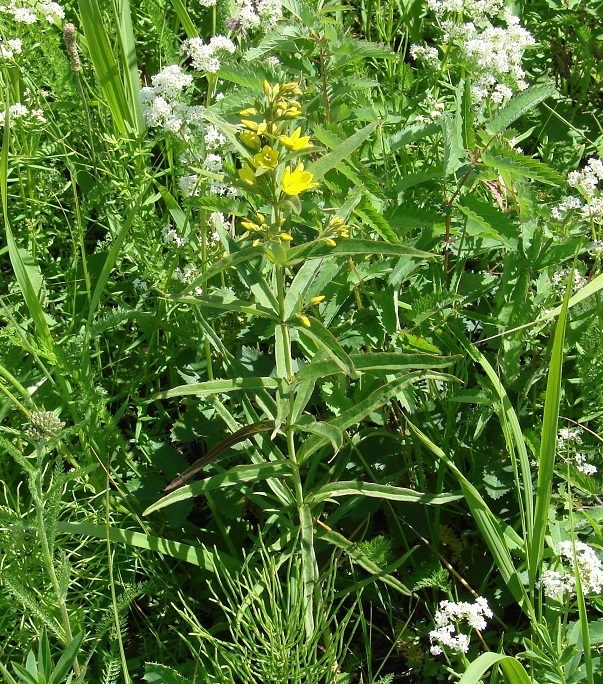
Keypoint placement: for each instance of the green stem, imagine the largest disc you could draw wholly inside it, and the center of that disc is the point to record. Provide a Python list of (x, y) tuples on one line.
[(48, 555)]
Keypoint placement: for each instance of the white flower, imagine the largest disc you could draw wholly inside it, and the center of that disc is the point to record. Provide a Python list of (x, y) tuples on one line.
[(140, 285), (170, 236), (448, 618), (204, 56), (189, 185), (23, 16), (213, 162), (263, 14), (214, 140), (51, 10), (589, 565)]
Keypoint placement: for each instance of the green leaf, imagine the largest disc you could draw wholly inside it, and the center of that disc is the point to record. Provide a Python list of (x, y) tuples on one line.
[(331, 432), (375, 361), (282, 38), (488, 525), (352, 247), (66, 660), (362, 559), (343, 151), (518, 106), (375, 220), (154, 673), (522, 167), (327, 342), (236, 437), (495, 224), (105, 65), (515, 672), (455, 154), (377, 491), (465, 108), (230, 478), (195, 555), (184, 18), (300, 285), (373, 402), (548, 445), (205, 389), (413, 133)]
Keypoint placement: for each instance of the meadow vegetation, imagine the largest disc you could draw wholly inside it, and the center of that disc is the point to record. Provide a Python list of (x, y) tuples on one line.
[(301, 341)]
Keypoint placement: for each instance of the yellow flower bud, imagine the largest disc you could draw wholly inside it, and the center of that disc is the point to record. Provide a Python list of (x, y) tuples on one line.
[(286, 237), (250, 139), (247, 174), (317, 300), (250, 111), (267, 89), (330, 243), (256, 243), (304, 320), (253, 227), (251, 125)]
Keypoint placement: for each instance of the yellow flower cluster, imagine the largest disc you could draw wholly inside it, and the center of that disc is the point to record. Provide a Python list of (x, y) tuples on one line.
[(265, 130)]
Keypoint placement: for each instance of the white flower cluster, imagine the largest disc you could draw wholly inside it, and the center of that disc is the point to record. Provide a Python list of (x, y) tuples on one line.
[(568, 441), (170, 236), (205, 56), (586, 181), (19, 112), (447, 619), (427, 54), (590, 571), (559, 280), (30, 12), (259, 14), (207, 3), (472, 8), (491, 44), (162, 103), (11, 48)]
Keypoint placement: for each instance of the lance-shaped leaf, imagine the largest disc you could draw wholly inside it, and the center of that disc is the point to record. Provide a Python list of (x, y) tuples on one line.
[(377, 491), (373, 402), (328, 342), (342, 151), (374, 361), (350, 247), (236, 437), (218, 387), (229, 478)]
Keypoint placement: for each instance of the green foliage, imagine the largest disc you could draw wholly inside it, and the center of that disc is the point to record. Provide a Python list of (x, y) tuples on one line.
[(331, 300)]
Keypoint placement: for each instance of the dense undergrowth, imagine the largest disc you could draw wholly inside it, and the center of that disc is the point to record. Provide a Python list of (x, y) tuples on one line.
[(300, 341)]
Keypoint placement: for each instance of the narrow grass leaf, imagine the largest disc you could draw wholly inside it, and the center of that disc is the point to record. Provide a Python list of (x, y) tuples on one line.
[(105, 65), (184, 18), (548, 445), (195, 555), (341, 542), (488, 525)]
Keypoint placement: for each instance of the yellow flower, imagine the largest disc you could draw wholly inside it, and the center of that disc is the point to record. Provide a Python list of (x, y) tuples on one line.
[(247, 175), (250, 139), (295, 141), (267, 158), (294, 182)]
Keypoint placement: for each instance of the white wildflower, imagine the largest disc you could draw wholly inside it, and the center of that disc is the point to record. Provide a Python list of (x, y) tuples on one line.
[(170, 236), (255, 14), (214, 140), (448, 618), (205, 57), (189, 185), (213, 163)]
